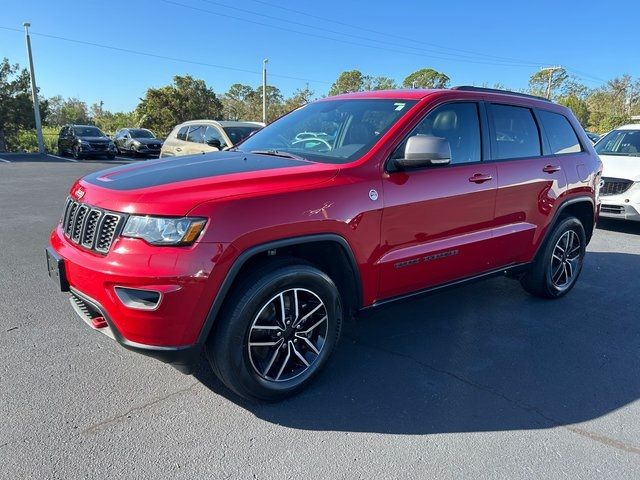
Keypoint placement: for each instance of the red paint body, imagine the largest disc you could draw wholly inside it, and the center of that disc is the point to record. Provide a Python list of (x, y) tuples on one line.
[(420, 216)]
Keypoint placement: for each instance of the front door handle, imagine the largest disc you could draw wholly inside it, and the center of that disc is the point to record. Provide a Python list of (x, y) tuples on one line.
[(480, 178), (552, 168), (178, 149)]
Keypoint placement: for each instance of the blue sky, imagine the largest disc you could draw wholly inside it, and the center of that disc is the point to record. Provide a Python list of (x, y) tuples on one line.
[(473, 42)]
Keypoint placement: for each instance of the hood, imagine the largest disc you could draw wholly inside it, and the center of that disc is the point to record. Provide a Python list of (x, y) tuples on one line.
[(621, 166), (175, 185), (95, 139), (148, 141)]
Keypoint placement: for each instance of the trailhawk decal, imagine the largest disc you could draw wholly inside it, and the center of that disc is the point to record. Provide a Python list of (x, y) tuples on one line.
[(428, 258)]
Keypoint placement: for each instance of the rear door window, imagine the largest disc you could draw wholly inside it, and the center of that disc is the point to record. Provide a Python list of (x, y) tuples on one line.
[(562, 137), (515, 133), (196, 134)]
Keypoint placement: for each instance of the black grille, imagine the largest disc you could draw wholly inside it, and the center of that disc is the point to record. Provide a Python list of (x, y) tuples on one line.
[(98, 146), (615, 186), (90, 227)]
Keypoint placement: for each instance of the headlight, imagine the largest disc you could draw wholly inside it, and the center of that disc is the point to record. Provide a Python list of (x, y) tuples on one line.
[(164, 230)]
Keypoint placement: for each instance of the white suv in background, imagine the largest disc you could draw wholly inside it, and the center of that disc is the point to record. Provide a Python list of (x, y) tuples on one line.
[(619, 151), (202, 136)]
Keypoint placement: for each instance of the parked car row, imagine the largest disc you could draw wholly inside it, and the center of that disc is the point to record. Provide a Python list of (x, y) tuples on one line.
[(188, 138)]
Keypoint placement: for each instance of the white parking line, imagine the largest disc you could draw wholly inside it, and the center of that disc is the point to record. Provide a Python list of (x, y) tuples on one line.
[(62, 158), (4, 161)]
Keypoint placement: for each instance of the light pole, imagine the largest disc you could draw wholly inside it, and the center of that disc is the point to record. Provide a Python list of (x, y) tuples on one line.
[(264, 90), (34, 90)]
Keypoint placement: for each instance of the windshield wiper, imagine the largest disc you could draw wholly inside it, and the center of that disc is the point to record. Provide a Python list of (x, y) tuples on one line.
[(278, 153)]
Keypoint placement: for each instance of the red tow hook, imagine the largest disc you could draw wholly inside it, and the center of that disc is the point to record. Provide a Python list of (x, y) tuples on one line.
[(98, 322)]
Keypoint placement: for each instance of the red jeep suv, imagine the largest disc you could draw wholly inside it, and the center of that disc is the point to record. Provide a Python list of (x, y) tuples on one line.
[(258, 254)]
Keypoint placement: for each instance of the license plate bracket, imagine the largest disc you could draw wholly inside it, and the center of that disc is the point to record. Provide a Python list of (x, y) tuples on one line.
[(55, 268)]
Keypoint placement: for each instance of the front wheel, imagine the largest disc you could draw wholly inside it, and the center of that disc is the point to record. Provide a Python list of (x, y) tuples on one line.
[(558, 265), (276, 332), (76, 153)]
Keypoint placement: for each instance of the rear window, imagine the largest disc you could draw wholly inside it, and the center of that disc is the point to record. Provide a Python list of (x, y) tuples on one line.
[(562, 137), (516, 132), (237, 134)]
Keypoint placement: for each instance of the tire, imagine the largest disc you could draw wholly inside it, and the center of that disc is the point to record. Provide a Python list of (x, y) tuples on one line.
[(255, 352), (76, 153), (554, 273), (61, 151), (111, 156)]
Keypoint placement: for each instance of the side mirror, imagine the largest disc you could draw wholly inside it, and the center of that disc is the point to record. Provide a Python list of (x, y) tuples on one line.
[(214, 142), (423, 151)]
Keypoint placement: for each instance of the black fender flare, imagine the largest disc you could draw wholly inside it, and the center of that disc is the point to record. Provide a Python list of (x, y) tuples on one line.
[(232, 274), (556, 216)]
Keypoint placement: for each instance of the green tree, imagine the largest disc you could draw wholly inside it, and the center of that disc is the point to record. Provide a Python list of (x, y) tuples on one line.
[(578, 106), (426, 78), (612, 104), (379, 83), (300, 97), (185, 99), (234, 102), (349, 81), (539, 81), (16, 107), (70, 110)]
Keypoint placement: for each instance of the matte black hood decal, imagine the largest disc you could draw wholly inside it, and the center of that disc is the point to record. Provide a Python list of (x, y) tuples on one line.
[(191, 167)]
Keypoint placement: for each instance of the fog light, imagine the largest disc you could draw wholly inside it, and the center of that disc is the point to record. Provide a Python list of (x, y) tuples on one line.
[(138, 299)]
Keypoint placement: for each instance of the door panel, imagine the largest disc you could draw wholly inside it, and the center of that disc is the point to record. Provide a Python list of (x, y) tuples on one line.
[(436, 227)]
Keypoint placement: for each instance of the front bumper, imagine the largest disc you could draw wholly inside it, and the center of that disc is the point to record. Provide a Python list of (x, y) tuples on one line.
[(624, 206), (182, 274), (90, 151)]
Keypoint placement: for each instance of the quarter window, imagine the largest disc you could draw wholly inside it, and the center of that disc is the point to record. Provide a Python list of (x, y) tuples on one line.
[(562, 137), (515, 132), (459, 124), (196, 134)]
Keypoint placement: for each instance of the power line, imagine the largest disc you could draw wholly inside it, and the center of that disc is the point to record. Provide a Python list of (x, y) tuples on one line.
[(324, 37), (390, 34), (164, 57), (369, 39)]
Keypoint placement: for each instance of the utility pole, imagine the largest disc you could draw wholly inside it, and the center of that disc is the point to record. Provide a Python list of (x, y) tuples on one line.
[(34, 90), (264, 90), (551, 71)]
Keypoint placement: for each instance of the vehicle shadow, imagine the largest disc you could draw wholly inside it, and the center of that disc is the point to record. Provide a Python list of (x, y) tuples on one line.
[(484, 357), (622, 226), (45, 158)]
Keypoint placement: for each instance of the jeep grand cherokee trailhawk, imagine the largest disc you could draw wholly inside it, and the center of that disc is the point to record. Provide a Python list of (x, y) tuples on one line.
[(257, 255)]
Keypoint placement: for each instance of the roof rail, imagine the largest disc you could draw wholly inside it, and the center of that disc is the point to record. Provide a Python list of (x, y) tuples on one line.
[(496, 90)]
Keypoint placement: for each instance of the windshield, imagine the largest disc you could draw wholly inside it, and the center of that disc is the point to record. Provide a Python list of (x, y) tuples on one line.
[(620, 142), (88, 132), (141, 133), (237, 134), (335, 131)]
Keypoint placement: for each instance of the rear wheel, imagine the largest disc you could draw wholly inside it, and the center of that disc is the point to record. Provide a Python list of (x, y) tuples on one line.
[(277, 331), (558, 265), (76, 152)]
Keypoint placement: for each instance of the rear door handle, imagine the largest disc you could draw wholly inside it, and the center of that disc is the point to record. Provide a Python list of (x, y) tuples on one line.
[(552, 168), (480, 178)]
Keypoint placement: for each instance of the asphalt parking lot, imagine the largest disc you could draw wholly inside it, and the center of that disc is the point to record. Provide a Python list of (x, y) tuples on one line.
[(479, 382)]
